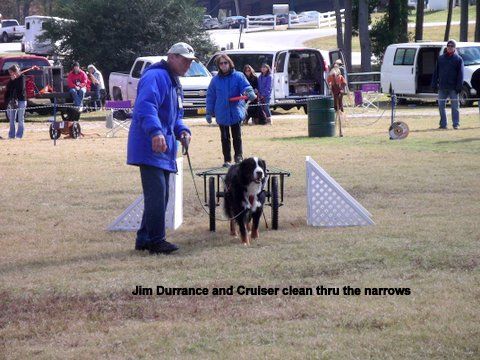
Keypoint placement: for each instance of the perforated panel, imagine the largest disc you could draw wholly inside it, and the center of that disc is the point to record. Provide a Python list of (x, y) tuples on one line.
[(329, 205)]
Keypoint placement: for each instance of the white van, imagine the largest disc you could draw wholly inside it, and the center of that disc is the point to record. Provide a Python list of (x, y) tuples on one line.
[(297, 73), (407, 69), (34, 27)]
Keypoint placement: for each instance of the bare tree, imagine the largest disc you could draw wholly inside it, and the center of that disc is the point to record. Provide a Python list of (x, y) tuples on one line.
[(419, 20), (449, 20), (365, 45), (237, 7), (464, 20), (338, 18), (347, 41), (26, 8), (477, 22)]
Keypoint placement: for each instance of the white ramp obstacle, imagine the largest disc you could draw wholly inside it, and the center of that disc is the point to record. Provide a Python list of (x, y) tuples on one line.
[(329, 205), (131, 218)]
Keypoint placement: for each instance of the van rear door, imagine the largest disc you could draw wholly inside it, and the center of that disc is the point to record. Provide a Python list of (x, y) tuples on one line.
[(403, 77), (305, 73), (335, 55), (280, 76)]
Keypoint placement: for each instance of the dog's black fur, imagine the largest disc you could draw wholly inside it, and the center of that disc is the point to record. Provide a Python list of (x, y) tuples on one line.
[(245, 196)]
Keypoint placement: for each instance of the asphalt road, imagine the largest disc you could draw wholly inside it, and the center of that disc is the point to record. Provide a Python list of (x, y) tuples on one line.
[(10, 47)]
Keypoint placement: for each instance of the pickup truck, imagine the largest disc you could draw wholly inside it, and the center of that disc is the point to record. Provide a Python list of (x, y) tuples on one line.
[(11, 30), (34, 78), (123, 86)]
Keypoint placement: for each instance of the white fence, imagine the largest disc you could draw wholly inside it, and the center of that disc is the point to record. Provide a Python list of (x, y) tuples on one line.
[(310, 20)]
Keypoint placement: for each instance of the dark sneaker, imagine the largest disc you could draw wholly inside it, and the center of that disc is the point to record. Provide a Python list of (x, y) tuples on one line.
[(238, 159), (456, 127), (443, 128), (227, 164), (141, 247), (163, 247)]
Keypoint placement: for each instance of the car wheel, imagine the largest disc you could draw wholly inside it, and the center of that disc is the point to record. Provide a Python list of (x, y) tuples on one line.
[(5, 37), (464, 97)]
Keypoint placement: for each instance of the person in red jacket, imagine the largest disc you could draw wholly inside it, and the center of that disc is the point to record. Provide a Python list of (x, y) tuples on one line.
[(77, 85)]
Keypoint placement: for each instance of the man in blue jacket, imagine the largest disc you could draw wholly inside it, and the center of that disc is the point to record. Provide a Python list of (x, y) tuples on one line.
[(156, 124), (448, 79)]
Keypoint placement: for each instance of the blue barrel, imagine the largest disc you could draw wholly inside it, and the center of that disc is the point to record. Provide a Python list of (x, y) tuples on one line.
[(321, 117)]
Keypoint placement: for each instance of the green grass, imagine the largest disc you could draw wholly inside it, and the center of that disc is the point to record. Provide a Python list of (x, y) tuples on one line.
[(430, 33), (441, 16), (65, 282)]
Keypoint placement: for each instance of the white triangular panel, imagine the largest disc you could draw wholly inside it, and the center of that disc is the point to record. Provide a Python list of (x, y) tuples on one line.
[(131, 218), (329, 205)]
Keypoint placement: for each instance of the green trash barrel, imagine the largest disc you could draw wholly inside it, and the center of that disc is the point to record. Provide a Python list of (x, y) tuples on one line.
[(321, 117)]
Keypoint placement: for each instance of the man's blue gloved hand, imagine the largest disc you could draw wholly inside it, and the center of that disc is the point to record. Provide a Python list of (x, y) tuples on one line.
[(208, 117), (251, 94)]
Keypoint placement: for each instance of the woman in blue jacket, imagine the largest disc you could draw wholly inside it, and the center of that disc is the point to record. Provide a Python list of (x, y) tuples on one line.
[(229, 113), (265, 91)]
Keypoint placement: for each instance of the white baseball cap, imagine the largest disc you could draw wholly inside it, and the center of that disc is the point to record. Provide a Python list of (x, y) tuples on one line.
[(182, 49)]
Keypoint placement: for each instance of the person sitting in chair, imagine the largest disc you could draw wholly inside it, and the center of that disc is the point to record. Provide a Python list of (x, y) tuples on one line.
[(77, 85)]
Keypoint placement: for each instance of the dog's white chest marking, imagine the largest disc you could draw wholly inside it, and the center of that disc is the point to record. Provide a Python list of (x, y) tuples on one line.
[(251, 200)]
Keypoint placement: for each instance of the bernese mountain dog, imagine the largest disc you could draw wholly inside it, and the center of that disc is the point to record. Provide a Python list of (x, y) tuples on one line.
[(245, 196)]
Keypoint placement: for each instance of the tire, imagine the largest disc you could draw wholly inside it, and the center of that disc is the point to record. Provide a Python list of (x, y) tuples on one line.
[(274, 202), (75, 130), (464, 97), (54, 134), (5, 37), (212, 203)]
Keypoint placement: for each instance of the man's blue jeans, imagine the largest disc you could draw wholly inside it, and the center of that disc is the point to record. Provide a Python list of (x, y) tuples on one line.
[(18, 114), (155, 192), (442, 99), (78, 95)]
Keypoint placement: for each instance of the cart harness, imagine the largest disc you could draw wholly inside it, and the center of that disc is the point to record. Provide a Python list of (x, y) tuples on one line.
[(185, 152)]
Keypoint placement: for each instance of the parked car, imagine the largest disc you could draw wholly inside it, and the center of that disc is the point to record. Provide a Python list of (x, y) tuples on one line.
[(123, 85), (282, 19), (210, 22), (34, 79), (309, 16), (407, 69), (233, 22), (11, 30), (298, 74)]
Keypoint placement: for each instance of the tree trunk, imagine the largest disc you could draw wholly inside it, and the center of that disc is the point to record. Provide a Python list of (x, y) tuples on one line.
[(464, 20), (419, 20), (403, 11), (237, 7), (449, 20), (338, 18), (477, 22), (365, 45), (347, 43), (26, 9)]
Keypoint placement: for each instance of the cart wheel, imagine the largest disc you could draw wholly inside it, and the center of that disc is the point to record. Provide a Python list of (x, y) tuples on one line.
[(54, 134), (274, 202), (212, 204), (75, 130)]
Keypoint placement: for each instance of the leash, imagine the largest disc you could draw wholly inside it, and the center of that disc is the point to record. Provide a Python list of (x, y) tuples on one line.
[(185, 152)]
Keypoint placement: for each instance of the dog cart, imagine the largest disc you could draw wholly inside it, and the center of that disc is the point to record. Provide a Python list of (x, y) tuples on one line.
[(274, 191)]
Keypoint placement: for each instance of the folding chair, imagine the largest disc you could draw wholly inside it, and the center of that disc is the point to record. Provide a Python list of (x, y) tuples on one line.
[(370, 94), (119, 117)]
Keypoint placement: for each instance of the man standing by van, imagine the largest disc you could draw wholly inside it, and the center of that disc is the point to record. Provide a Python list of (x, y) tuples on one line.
[(448, 80)]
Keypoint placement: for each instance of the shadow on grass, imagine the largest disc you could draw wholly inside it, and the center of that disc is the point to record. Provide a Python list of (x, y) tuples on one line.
[(459, 141), (441, 130)]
